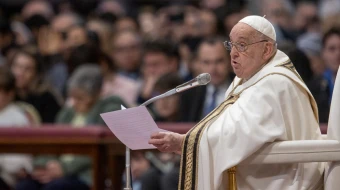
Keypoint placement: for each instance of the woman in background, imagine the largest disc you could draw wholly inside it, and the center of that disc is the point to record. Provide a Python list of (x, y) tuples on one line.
[(74, 171), (31, 87)]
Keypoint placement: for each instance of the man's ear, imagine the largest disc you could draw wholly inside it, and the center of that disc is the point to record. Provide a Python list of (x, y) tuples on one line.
[(268, 50)]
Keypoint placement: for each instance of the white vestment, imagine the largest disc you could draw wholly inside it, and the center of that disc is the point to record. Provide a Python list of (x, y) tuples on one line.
[(273, 105)]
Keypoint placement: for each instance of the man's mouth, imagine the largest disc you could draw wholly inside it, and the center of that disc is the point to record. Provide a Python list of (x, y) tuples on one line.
[(234, 63)]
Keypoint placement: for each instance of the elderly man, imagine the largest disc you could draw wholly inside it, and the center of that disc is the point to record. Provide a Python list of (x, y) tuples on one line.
[(267, 101)]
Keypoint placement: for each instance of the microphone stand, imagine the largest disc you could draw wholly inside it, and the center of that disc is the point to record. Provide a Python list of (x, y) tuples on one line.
[(202, 79), (127, 150)]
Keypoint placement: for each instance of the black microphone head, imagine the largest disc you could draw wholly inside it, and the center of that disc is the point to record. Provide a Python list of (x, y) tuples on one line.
[(203, 78)]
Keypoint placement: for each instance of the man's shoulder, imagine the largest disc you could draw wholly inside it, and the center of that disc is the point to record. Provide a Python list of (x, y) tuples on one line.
[(277, 81)]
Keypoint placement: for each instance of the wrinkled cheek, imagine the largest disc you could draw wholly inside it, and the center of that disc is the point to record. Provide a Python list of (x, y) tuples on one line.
[(238, 70)]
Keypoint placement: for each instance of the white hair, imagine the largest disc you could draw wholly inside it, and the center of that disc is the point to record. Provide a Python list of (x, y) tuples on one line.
[(87, 77)]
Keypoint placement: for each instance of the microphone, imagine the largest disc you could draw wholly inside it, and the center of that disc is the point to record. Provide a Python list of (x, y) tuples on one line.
[(200, 80)]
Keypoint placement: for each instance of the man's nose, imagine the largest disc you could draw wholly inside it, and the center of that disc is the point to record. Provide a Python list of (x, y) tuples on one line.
[(234, 53)]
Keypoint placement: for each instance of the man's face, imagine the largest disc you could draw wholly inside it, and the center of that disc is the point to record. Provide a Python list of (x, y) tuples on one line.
[(127, 52), (246, 64), (331, 52), (157, 64), (213, 59), (167, 107)]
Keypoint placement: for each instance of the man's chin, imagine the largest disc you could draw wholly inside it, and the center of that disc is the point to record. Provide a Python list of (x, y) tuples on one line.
[(238, 75)]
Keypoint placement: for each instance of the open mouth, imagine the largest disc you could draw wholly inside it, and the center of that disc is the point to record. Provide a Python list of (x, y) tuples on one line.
[(234, 63)]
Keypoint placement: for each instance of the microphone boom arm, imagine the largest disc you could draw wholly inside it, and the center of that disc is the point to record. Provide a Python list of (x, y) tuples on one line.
[(201, 79), (168, 93)]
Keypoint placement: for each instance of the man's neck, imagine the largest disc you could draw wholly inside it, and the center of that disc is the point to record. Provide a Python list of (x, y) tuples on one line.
[(260, 68)]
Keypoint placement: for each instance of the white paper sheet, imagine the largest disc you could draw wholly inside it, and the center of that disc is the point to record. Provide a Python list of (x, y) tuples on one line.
[(133, 126)]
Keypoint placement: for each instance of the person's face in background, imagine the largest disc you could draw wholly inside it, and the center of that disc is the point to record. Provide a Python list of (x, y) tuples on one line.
[(277, 13), (304, 13), (126, 23), (212, 4), (167, 107), (192, 24), (139, 165), (209, 23), (232, 19), (213, 59), (176, 23), (104, 32), (76, 36), (127, 51), (156, 64), (61, 24), (81, 101), (147, 22), (110, 6), (24, 70), (43, 8), (331, 52)]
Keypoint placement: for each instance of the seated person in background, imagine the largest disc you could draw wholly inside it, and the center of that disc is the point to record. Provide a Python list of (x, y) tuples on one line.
[(84, 88), (30, 85), (139, 166), (126, 52), (159, 57), (70, 171), (151, 171), (115, 84), (12, 166), (10, 113), (167, 109)]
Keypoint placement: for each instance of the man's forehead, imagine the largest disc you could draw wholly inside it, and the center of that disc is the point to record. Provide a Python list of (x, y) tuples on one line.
[(241, 31)]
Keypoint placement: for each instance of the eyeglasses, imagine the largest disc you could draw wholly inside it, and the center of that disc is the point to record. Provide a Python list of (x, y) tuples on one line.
[(240, 46)]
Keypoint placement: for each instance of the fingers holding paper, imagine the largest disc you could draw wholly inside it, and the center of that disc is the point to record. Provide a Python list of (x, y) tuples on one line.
[(167, 142)]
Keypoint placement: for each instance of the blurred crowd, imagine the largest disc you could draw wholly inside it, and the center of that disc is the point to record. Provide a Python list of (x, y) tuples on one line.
[(64, 61)]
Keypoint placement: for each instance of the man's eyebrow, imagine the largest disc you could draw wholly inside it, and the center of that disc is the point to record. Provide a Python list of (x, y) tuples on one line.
[(239, 38)]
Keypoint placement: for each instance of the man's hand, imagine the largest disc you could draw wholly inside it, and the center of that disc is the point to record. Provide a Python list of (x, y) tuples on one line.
[(167, 142)]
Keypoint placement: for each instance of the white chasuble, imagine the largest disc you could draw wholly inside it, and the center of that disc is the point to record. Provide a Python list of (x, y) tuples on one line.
[(273, 105)]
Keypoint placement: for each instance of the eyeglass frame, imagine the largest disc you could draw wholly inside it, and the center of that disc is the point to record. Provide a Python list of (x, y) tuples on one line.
[(226, 45)]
